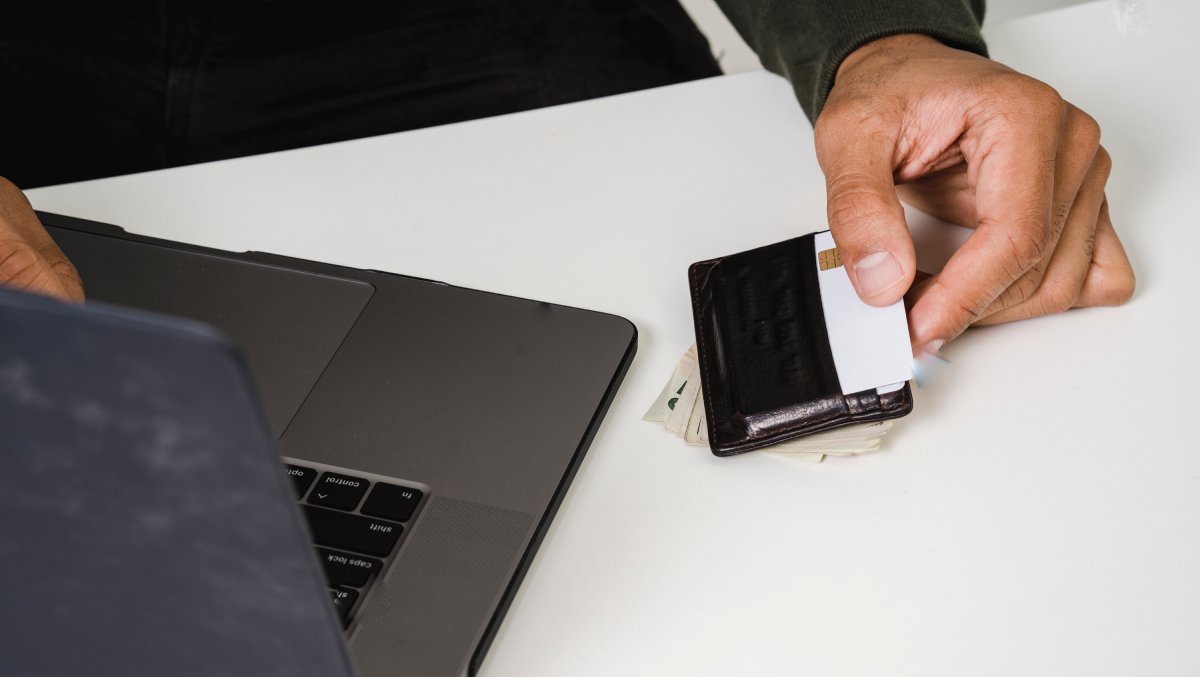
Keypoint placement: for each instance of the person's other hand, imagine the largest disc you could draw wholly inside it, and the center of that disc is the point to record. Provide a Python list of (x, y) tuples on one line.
[(29, 259), (975, 143)]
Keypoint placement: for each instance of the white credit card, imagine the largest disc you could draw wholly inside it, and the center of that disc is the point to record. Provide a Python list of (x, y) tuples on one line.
[(870, 345)]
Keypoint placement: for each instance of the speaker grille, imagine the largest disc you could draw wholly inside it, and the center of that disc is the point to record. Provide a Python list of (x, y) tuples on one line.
[(426, 616)]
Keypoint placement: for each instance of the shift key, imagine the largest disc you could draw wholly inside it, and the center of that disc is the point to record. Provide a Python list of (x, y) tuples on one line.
[(351, 532)]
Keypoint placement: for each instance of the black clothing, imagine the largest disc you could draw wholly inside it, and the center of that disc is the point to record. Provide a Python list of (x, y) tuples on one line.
[(104, 89)]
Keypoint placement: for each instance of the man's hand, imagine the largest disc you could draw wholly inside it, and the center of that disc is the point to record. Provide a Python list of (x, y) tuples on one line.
[(975, 143), (29, 259)]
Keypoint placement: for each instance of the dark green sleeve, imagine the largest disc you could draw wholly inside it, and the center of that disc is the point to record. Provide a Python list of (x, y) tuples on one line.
[(806, 40)]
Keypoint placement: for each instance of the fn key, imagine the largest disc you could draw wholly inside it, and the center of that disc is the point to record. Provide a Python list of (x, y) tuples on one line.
[(391, 502)]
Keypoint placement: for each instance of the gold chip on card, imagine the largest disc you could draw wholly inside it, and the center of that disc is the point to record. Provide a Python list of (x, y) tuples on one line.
[(829, 259)]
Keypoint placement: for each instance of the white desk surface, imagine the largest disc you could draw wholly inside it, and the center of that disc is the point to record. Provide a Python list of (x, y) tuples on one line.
[(1037, 513)]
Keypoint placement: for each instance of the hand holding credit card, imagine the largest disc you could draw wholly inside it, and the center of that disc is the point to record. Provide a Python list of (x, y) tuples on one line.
[(787, 356)]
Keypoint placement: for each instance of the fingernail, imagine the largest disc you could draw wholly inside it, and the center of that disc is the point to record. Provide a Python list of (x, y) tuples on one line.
[(932, 347), (877, 272)]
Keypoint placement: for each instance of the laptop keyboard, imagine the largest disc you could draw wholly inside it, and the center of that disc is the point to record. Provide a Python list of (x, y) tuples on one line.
[(357, 522)]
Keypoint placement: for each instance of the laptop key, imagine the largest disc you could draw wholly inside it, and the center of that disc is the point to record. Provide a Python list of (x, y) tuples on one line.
[(302, 477), (351, 532), (338, 491), (391, 502), (343, 600), (342, 568)]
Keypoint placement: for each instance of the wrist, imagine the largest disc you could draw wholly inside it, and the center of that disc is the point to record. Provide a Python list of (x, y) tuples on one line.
[(890, 48)]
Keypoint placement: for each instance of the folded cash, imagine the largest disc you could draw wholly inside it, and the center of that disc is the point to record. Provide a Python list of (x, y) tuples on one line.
[(680, 408)]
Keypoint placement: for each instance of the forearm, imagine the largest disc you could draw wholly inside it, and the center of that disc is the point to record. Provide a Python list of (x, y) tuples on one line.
[(806, 40)]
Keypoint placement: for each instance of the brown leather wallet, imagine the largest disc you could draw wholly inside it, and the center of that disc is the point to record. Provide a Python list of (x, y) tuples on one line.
[(767, 371)]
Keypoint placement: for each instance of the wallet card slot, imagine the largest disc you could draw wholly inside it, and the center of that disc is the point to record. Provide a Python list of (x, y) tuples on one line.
[(767, 303)]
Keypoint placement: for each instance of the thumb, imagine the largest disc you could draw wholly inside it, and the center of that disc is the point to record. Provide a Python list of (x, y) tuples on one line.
[(865, 215)]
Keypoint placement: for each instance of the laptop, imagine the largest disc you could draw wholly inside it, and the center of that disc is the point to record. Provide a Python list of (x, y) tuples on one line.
[(427, 435)]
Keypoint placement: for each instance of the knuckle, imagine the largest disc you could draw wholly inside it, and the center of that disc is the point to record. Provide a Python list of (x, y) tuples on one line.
[(1058, 299), (7, 186), (848, 185), (11, 197), (1103, 163), (854, 203), (1026, 287), (13, 203), (67, 272), (1025, 247), (965, 310), (1058, 222), (1089, 245), (1044, 98), (972, 315), (1086, 131), (1121, 288), (1023, 92), (20, 264), (1008, 268)]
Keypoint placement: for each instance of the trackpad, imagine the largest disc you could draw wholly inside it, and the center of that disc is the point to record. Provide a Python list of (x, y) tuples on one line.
[(289, 322)]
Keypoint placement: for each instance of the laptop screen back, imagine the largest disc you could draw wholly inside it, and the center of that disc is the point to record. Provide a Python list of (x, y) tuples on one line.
[(147, 527)]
